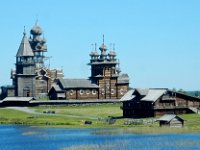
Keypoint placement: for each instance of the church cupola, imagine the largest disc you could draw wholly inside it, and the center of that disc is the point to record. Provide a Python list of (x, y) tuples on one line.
[(38, 45), (36, 30), (105, 72), (94, 55), (112, 54), (37, 42), (103, 49)]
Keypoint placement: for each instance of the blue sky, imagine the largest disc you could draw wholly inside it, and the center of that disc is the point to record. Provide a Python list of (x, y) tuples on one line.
[(157, 41)]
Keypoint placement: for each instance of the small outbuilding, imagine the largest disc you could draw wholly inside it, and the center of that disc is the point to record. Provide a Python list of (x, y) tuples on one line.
[(16, 101), (171, 120)]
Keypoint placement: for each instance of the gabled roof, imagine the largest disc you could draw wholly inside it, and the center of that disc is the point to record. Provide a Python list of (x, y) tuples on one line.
[(57, 87), (150, 95), (24, 48), (168, 117), (18, 99), (142, 92), (128, 96), (154, 94), (77, 83)]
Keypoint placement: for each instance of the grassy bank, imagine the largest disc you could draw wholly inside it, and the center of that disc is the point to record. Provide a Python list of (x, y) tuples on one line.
[(66, 116), (100, 115)]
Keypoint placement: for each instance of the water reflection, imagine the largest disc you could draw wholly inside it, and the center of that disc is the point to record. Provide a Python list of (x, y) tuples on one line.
[(24, 137)]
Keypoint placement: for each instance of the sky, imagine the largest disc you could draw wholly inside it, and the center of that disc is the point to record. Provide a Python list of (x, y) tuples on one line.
[(156, 41)]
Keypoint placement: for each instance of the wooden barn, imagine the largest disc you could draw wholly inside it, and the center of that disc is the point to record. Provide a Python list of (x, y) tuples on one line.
[(138, 103), (171, 120), (16, 101)]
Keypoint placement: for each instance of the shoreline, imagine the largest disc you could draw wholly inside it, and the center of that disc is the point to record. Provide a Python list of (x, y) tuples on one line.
[(100, 116), (117, 130)]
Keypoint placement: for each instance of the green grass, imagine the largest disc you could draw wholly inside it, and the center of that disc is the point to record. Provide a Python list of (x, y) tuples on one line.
[(62, 115), (73, 116), (42, 99), (97, 110), (9, 116)]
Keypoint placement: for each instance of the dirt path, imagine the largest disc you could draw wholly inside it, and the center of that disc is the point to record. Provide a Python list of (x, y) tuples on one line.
[(33, 111), (25, 109)]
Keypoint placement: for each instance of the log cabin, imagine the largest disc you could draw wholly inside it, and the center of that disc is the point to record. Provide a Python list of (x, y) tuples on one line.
[(140, 103), (171, 120)]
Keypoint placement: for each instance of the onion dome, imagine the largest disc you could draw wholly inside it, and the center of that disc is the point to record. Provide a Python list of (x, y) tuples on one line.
[(43, 41), (36, 30), (92, 53), (103, 47), (96, 53), (37, 39)]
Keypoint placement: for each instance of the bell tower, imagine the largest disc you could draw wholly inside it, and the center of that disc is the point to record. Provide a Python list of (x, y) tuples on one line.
[(104, 72), (25, 70)]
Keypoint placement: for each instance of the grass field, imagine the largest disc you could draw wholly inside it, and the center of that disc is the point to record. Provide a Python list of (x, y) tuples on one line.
[(74, 116), (95, 110)]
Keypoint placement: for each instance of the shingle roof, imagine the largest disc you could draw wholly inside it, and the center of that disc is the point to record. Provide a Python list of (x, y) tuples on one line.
[(142, 92), (57, 87), (168, 117), (24, 48), (128, 96), (18, 99), (150, 95), (153, 95), (77, 83)]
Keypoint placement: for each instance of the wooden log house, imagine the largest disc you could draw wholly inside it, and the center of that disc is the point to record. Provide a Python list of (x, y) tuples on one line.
[(153, 102)]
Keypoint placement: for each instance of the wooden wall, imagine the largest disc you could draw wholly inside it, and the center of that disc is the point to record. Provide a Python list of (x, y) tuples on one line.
[(81, 94)]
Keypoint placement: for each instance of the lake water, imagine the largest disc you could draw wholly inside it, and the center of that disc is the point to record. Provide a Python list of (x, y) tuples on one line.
[(13, 137)]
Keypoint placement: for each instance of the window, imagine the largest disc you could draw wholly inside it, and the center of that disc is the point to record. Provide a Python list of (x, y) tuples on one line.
[(103, 91), (81, 92), (94, 92), (121, 91), (71, 92)]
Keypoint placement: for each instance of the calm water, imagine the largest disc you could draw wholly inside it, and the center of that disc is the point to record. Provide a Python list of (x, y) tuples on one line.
[(14, 137)]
